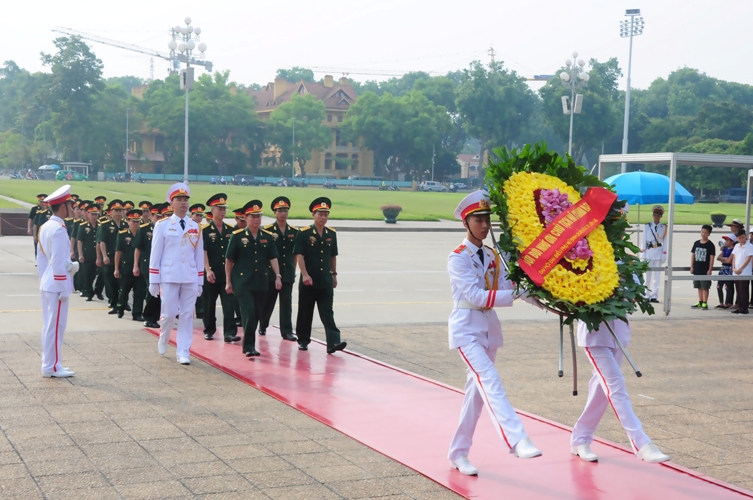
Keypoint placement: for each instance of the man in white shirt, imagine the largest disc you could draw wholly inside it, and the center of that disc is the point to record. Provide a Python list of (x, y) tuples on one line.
[(742, 265), (56, 273), (654, 250), (176, 271)]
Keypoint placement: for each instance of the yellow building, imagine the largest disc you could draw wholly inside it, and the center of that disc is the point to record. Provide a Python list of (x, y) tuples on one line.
[(146, 150), (340, 159)]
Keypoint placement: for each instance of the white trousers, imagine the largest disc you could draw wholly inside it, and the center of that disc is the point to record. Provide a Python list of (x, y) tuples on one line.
[(483, 387), (652, 279), (55, 317), (607, 387), (178, 297)]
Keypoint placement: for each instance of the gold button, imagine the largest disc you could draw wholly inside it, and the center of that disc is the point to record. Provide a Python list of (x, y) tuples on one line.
[(241, 274)]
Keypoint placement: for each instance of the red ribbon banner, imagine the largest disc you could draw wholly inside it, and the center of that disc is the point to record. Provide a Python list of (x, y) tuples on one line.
[(564, 232)]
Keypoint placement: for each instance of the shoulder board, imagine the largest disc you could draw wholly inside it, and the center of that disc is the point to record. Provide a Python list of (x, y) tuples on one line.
[(459, 249), (268, 232), (330, 229), (293, 228), (239, 231), (123, 231), (307, 228), (145, 224), (103, 219), (84, 224), (203, 225), (161, 220), (269, 226), (68, 218)]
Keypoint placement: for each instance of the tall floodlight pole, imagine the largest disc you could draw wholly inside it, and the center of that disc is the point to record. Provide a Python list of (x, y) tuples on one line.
[(184, 41), (575, 77), (629, 29), (126, 149)]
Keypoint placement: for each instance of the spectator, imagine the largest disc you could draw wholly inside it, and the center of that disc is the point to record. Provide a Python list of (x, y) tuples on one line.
[(742, 266), (725, 257), (701, 263)]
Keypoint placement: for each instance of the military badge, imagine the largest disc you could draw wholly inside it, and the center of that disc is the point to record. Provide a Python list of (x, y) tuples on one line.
[(128, 240), (213, 237), (262, 241), (313, 239), (244, 241), (275, 235)]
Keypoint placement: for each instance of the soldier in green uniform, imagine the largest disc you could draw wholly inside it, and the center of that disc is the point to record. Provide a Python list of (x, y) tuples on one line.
[(86, 241), (70, 222), (141, 255), (127, 268), (107, 239), (42, 215), (145, 207), (250, 253), (240, 223), (316, 252), (216, 235), (284, 235), (30, 230), (196, 212)]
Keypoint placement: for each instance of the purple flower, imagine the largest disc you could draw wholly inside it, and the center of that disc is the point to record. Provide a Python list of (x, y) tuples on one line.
[(553, 203)]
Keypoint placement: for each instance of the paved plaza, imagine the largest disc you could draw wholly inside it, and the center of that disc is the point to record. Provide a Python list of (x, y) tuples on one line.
[(132, 424)]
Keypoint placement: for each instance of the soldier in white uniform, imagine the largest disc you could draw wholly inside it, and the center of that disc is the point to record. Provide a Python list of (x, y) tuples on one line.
[(479, 283), (607, 388), (56, 273), (176, 271), (654, 250)]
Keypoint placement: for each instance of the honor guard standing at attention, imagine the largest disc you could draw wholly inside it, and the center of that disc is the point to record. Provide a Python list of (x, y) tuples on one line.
[(126, 267), (141, 256), (316, 254), (654, 251), (284, 235), (56, 273), (107, 239), (176, 271), (30, 230), (216, 236), (197, 215), (479, 284), (86, 241), (250, 254)]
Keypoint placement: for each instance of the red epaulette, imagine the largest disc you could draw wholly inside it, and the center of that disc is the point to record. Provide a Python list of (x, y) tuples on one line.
[(459, 249)]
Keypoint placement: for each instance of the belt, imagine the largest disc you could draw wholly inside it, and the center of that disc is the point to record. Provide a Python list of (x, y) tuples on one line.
[(464, 304)]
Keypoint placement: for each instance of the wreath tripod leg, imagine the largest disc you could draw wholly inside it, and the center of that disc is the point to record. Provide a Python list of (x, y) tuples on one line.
[(624, 352), (575, 362), (560, 373)]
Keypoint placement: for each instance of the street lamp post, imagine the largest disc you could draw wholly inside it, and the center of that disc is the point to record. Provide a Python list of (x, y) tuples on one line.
[(574, 77), (184, 41), (126, 149), (629, 29), (292, 165)]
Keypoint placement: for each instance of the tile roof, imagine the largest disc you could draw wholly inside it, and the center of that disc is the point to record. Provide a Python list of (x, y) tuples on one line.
[(338, 97)]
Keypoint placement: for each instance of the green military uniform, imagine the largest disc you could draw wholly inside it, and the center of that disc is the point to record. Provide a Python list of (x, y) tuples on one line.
[(33, 219), (153, 305), (126, 245), (286, 259), (216, 238), (78, 279), (42, 216), (87, 235), (250, 277), (107, 233)]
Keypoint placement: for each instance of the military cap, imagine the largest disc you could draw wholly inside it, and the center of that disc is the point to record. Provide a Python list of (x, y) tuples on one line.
[(115, 205), (280, 202), (100, 199), (166, 209), (145, 205), (239, 212), (658, 209), (133, 215), (82, 204), (252, 207), (476, 203), (60, 196), (75, 197), (156, 208), (76, 203), (41, 197), (178, 189), (197, 208), (321, 204), (128, 204), (218, 200)]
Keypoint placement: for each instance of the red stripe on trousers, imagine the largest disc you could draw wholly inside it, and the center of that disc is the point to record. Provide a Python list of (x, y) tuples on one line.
[(478, 378), (609, 394), (57, 326)]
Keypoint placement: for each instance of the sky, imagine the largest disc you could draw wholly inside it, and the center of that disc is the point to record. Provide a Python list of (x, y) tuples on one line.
[(390, 37)]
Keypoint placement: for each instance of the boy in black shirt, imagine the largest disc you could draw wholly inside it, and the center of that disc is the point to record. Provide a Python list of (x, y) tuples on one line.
[(701, 263)]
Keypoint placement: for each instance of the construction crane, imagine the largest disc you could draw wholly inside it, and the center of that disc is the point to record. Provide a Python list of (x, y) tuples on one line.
[(174, 57)]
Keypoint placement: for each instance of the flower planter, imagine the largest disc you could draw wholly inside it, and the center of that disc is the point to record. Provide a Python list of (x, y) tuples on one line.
[(390, 213), (718, 219)]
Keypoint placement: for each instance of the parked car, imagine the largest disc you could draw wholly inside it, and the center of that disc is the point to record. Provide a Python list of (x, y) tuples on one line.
[(432, 186), (70, 175), (289, 182), (247, 180)]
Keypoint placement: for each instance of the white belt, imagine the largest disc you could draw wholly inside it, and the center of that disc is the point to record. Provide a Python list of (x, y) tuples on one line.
[(464, 304)]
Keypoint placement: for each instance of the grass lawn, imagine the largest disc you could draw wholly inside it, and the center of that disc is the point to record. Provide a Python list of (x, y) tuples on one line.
[(9, 204), (348, 204)]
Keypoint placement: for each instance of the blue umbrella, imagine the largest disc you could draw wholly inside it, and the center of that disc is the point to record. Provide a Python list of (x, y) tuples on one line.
[(647, 188)]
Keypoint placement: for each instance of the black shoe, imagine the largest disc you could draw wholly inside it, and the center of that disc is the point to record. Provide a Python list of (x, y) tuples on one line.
[(736, 311), (151, 324), (100, 296), (232, 339), (121, 313), (302, 347), (656, 301), (127, 308), (253, 353), (138, 317), (337, 347), (262, 332), (289, 336), (114, 310), (88, 299), (743, 312), (208, 336), (199, 316), (81, 294)]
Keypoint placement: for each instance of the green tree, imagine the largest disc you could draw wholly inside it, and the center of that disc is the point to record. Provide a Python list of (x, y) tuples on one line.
[(74, 85), (127, 82), (296, 74), (308, 113)]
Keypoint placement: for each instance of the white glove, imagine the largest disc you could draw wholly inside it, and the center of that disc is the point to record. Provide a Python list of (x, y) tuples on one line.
[(201, 287), (64, 296), (72, 268), (154, 289)]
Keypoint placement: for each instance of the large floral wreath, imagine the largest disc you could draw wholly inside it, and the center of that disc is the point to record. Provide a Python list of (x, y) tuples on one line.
[(600, 278)]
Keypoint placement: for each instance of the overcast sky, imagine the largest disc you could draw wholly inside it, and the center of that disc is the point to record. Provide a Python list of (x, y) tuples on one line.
[(252, 39)]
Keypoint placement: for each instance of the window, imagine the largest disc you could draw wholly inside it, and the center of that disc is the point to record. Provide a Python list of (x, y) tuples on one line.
[(328, 161), (337, 138), (329, 118), (341, 162), (355, 161), (339, 118)]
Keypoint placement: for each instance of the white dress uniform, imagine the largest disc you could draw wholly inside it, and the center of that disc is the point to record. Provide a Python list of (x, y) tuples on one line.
[(177, 265), (56, 272), (607, 385), (655, 253)]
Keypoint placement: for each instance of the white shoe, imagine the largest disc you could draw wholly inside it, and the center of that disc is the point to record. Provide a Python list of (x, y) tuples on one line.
[(183, 361), (651, 453), (585, 452), (161, 348), (58, 374), (526, 449), (464, 466)]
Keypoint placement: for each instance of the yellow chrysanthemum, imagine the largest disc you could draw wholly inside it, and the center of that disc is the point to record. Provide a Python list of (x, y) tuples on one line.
[(589, 287)]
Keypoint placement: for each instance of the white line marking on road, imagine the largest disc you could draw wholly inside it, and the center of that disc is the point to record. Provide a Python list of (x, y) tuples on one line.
[(346, 291), (428, 289), (647, 397)]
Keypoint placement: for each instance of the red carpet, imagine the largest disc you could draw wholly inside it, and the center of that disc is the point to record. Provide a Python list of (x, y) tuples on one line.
[(411, 419)]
